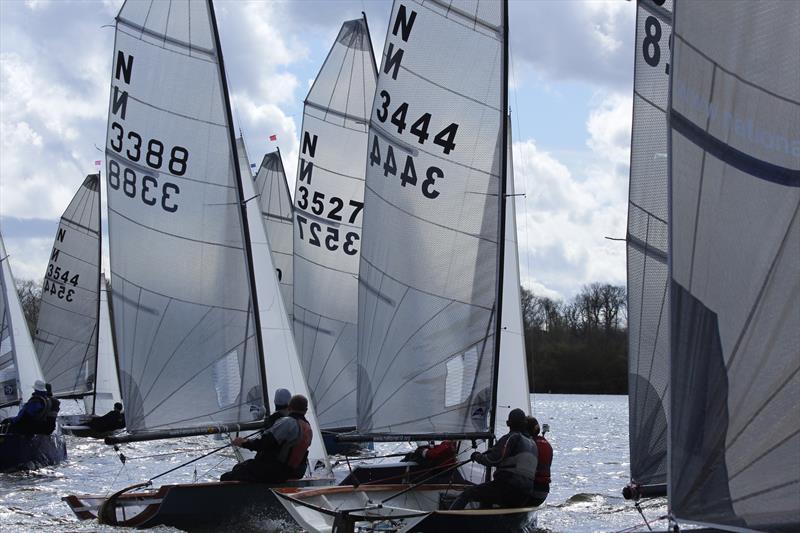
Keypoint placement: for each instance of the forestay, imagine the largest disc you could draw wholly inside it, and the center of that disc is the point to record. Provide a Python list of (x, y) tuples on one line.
[(183, 309), (66, 331), (648, 301), (277, 211), (429, 265), (735, 296), (19, 368), (329, 198)]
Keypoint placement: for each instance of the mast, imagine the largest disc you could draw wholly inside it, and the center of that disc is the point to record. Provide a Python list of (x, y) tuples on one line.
[(242, 208), (369, 39), (99, 282), (501, 240)]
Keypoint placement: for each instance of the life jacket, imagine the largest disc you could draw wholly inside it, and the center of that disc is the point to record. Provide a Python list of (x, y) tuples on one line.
[(545, 459), (443, 453), (293, 452), (521, 461)]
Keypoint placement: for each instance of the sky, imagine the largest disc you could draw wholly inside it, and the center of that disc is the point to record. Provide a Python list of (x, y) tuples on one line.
[(570, 83)]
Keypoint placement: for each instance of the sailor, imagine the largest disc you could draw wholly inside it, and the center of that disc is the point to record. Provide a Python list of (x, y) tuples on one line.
[(434, 455), (281, 401), (32, 416), (114, 419), (281, 453), (514, 457), (55, 407), (544, 455)]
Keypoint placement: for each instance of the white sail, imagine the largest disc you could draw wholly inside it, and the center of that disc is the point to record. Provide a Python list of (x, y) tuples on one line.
[(185, 327), (428, 278), (106, 391), (19, 367), (280, 355), (66, 331), (735, 265), (648, 301), (512, 372), (277, 211), (329, 197)]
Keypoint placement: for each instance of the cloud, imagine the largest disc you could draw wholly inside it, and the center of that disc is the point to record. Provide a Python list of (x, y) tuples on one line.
[(583, 40), (570, 209)]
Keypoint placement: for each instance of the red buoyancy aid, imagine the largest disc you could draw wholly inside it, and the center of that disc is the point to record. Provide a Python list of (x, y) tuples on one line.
[(300, 447), (443, 453), (545, 456)]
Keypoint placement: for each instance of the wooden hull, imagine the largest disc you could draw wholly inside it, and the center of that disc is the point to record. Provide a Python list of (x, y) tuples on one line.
[(28, 452), (192, 506), (422, 509)]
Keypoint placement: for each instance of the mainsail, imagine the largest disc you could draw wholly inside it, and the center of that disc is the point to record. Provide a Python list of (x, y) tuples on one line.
[(734, 268), (66, 331), (19, 367), (328, 214), (647, 246), (276, 208), (187, 336), (431, 254), (106, 388)]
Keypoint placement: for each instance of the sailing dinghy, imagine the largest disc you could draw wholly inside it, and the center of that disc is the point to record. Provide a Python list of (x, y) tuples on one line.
[(329, 200), (68, 331), (106, 383), (734, 273), (431, 277), (186, 308), (648, 299), (19, 370)]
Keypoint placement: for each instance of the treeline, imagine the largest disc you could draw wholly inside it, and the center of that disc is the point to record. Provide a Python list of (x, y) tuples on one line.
[(579, 346)]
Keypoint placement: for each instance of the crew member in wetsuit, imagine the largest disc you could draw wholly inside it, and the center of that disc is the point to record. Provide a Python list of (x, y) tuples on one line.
[(514, 457), (32, 416), (544, 454), (281, 453), (114, 419)]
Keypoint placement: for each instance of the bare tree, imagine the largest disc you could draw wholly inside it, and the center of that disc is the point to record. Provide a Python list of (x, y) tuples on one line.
[(612, 301), (30, 296)]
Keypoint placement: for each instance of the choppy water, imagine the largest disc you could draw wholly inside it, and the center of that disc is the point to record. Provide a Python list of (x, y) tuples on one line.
[(589, 435)]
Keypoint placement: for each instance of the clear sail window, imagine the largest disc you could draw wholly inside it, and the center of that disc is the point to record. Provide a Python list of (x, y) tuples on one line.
[(461, 369), (227, 379)]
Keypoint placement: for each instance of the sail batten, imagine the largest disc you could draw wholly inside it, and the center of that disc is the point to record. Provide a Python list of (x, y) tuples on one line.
[(735, 238), (184, 307), (329, 201)]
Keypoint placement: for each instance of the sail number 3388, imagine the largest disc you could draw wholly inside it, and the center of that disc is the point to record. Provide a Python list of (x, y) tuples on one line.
[(154, 155)]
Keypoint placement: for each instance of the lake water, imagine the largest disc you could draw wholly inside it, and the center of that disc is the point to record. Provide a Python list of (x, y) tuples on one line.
[(589, 435)]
